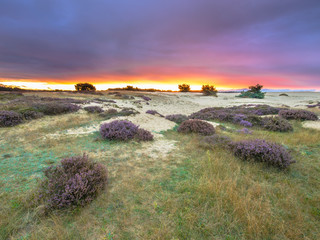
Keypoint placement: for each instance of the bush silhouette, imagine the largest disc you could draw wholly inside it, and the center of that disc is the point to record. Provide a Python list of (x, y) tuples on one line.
[(209, 90), (84, 87), (184, 88)]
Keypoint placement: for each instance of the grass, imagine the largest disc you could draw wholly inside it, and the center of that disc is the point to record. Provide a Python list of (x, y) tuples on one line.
[(190, 193)]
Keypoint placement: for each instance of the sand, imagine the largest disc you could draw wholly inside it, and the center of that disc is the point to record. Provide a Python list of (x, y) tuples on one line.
[(187, 103)]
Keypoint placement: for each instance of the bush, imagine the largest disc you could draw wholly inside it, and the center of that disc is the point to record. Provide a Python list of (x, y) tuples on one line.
[(154, 112), (143, 135), (215, 141), (245, 123), (10, 118), (298, 114), (84, 87), (76, 181), (209, 90), (262, 151), (56, 108), (177, 118), (244, 131), (29, 115), (276, 124), (118, 130), (145, 98), (184, 88), (93, 109), (196, 126), (253, 92)]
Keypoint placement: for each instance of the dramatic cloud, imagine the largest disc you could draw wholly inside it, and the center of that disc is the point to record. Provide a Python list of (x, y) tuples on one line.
[(231, 42)]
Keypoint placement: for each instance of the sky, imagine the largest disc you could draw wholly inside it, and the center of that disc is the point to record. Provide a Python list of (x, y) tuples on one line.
[(160, 43)]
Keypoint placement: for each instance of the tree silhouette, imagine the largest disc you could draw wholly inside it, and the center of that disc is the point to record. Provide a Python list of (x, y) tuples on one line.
[(84, 87), (184, 88)]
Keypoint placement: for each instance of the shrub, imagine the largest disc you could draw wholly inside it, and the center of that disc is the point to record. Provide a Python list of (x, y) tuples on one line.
[(145, 98), (93, 109), (84, 87), (56, 108), (196, 126), (154, 112), (262, 151), (29, 115), (245, 123), (177, 118), (209, 90), (10, 118), (253, 92), (143, 135), (118, 130), (184, 88), (276, 124), (298, 114), (244, 131), (76, 181), (283, 95), (215, 141)]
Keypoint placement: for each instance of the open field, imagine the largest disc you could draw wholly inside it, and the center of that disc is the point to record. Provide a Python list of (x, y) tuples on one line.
[(170, 188)]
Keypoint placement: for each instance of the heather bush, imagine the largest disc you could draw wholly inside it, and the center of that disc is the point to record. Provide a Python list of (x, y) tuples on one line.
[(56, 108), (145, 98), (262, 151), (154, 112), (245, 123), (276, 124), (76, 181), (177, 118), (298, 114), (215, 141), (93, 109), (143, 135), (196, 126), (10, 118), (118, 130), (244, 131), (29, 115)]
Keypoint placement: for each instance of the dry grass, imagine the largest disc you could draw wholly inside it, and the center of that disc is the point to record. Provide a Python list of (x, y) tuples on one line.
[(186, 193)]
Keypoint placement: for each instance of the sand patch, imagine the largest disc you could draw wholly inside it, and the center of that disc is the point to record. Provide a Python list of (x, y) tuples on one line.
[(311, 124)]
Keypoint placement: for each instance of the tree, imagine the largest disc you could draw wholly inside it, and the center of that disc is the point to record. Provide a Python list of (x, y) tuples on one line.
[(184, 88), (255, 89), (84, 87), (253, 92), (209, 90)]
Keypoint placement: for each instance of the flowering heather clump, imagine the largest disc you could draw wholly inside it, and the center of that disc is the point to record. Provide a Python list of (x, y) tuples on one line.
[(10, 118), (276, 124), (145, 98), (29, 115), (215, 141), (93, 109), (245, 123), (154, 112), (244, 131), (177, 118), (298, 114), (239, 117), (56, 108), (196, 126), (262, 151), (76, 181), (118, 130), (143, 135)]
